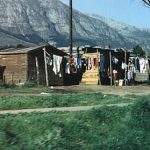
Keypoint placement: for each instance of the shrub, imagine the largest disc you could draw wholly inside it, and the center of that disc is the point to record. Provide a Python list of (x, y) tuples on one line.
[(30, 84), (2, 85)]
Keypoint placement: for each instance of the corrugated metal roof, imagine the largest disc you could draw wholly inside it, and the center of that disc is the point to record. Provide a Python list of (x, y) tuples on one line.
[(97, 48), (50, 48), (18, 50)]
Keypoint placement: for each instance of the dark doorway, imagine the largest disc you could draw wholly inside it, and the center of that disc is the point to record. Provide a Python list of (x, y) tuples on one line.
[(2, 68)]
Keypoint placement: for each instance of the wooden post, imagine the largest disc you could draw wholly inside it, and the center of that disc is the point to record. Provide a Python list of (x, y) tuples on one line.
[(98, 57), (86, 50), (110, 57), (37, 70), (70, 28), (4, 81), (125, 61), (46, 71), (12, 78)]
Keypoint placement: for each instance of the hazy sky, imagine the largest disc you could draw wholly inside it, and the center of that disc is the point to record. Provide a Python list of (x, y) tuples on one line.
[(132, 12)]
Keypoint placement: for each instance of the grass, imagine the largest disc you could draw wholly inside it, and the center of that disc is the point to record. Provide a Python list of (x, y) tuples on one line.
[(28, 88), (62, 100), (107, 128)]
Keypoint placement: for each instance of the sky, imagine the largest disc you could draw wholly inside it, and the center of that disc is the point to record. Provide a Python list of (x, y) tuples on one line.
[(132, 12)]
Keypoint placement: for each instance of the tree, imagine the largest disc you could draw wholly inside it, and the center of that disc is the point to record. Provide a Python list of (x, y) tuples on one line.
[(147, 2), (139, 51), (148, 53)]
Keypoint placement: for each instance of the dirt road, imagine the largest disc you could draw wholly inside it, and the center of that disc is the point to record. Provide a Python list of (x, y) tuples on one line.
[(125, 90), (117, 90)]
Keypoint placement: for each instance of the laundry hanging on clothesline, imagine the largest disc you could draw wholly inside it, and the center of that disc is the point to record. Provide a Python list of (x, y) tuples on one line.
[(54, 61), (57, 60), (141, 64)]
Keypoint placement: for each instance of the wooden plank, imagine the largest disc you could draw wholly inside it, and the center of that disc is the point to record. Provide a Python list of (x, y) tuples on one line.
[(91, 55), (91, 76), (16, 67), (111, 79), (125, 57), (99, 76), (37, 69), (46, 71), (142, 77)]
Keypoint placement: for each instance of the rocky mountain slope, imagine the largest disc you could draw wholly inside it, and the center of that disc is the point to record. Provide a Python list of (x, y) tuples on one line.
[(134, 34), (40, 21)]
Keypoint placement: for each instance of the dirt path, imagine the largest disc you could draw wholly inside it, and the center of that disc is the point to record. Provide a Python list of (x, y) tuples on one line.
[(125, 90), (117, 90), (61, 109)]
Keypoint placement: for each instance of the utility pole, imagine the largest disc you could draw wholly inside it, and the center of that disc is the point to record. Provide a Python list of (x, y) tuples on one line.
[(70, 28), (125, 61)]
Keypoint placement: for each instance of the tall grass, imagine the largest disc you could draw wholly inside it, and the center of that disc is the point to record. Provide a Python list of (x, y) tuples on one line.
[(106, 128), (61, 100)]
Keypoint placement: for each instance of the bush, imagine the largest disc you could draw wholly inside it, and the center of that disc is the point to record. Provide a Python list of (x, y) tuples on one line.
[(11, 86), (30, 84)]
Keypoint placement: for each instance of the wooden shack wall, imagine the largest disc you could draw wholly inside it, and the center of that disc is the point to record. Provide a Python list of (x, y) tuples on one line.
[(16, 68), (56, 79), (32, 70)]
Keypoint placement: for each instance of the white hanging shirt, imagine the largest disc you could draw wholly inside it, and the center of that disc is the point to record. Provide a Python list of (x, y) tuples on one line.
[(142, 65), (57, 60)]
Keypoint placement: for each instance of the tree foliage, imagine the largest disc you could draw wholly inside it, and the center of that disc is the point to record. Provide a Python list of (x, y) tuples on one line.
[(139, 51), (147, 2)]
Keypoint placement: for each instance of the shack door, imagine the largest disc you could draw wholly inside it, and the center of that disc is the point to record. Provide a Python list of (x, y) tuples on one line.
[(2, 68), (91, 75)]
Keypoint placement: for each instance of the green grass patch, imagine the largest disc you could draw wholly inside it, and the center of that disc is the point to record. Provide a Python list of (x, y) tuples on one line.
[(61, 100), (106, 128), (22, 89)]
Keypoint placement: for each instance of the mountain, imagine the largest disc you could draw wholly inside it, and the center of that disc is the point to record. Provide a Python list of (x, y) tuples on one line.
[(34, 22), (134, 34), (8, 40)]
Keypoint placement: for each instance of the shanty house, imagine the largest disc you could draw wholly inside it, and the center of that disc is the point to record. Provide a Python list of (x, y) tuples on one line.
[(101, 66), (35, 64)]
